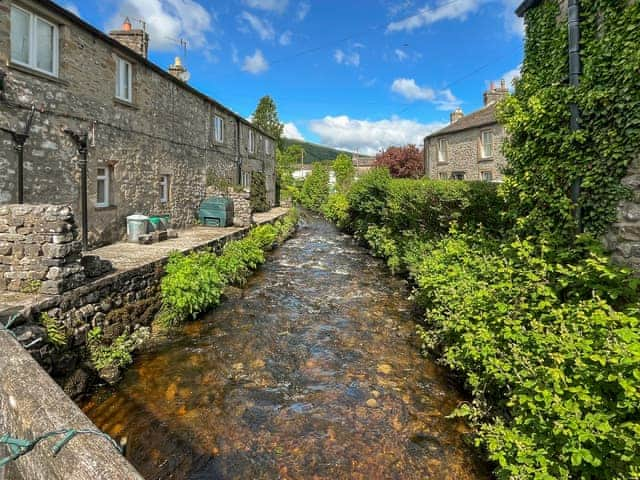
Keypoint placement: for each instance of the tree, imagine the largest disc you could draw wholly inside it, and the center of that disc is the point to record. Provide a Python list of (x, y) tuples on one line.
[(345, 172), (266, 118), (315, 190), (402, 162)]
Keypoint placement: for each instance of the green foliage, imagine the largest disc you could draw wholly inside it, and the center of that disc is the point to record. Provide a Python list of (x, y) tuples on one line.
[(336, 209), (553, 363), (266, 118), (194, 283), (258, 196), (367, 198), (545, 157), (31, 286), (345, 172), (286, 162), (118, 353), (315, 189), (56, 334)]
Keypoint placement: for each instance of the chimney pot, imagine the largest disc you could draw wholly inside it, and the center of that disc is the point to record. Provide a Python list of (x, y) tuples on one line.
[(126, 26), (137, 40), (456, 115)]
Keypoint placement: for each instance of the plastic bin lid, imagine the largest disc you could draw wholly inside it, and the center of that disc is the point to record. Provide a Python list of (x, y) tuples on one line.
[(138, 217)]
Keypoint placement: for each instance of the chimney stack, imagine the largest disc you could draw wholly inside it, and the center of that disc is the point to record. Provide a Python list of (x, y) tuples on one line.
[(495, 94), (456, 115), (135, 39), (179, 71)]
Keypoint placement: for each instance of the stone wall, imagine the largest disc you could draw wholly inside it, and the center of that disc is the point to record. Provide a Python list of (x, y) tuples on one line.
[(463, 154), (167, 129), (39, 250), (623, 238), (242, 214)]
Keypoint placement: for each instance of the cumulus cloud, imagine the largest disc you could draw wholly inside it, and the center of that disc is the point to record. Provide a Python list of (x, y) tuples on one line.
[(278, 6), (513, 23), (168, 20), (263, 28), (444, 10), (255, 64), (285, 38), (72, 7), (303, 11), (349, 59), (292, 132), (368, 137), (510, 76), (409, 89)]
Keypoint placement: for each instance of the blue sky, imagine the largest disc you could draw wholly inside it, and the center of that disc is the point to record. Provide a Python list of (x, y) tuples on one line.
[(350, 74)]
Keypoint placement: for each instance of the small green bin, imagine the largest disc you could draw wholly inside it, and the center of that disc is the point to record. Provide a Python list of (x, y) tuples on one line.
[(216, 212), (159, 223)]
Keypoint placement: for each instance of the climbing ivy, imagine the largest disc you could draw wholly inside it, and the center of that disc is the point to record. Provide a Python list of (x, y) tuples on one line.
[(545, 156)]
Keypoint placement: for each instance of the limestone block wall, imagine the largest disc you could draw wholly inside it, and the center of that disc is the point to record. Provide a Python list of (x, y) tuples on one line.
[(39, 249), (242, 214), (463, 154)]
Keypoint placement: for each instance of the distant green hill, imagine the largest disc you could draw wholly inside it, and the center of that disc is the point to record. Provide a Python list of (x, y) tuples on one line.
[(314, 152)]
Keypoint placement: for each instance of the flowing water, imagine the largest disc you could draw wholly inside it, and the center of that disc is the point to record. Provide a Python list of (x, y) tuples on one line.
[(309, 372)]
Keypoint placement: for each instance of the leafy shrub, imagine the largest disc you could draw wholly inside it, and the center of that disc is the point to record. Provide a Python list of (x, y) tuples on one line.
[(367, 199), (118, 353), (345, 172), (554, 368), (336, 209), (258, 194), (56, 334), (315, 189), (402, 162)]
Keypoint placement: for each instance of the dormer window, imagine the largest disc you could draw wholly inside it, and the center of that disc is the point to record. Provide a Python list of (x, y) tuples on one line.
[(123, 80), (34, 41)]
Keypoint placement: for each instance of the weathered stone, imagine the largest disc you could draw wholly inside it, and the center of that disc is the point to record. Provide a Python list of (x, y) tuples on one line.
[(5, 248)]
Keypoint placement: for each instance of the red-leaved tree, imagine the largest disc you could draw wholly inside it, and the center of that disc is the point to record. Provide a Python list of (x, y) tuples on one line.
[(402, 162)]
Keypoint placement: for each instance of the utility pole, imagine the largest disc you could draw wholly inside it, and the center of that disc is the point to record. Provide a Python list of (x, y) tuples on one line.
[(19, 139)]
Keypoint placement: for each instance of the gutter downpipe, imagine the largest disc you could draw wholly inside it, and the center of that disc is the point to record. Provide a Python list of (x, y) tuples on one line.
[(238, 161), (574, 81)]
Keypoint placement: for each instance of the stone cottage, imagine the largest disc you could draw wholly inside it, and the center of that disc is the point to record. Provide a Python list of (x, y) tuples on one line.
[(154, 142), (470, 147)]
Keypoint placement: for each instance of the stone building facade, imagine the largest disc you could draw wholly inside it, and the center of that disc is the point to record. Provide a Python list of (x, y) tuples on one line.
[(155, 143), (470, 147)]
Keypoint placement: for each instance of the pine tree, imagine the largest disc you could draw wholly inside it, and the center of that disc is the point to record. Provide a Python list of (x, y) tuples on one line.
[(266, 118)]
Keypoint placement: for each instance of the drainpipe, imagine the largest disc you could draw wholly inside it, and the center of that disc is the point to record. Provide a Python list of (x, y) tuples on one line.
[(238, 159), (19, 139), (81, 140), (574, 81)]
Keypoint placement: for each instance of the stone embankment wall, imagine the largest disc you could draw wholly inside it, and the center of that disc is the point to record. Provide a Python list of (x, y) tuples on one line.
[(623, 238), (39, 251)]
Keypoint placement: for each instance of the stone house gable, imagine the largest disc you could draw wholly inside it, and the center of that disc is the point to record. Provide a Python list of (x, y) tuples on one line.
[(153, 141)]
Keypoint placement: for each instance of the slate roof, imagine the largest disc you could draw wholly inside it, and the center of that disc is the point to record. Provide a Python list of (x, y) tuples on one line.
[(479, 118)]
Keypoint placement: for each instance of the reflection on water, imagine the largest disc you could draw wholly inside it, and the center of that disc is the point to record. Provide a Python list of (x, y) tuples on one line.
[(310, 372)]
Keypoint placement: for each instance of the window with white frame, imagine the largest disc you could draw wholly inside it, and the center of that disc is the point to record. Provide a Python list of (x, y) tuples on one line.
[(252, 142), (164, 188), (246, 179), (103, 181), (442, 150), (123, 80), (486, 144), (34, 41), (487, 176), (268, 146), (218, 129)]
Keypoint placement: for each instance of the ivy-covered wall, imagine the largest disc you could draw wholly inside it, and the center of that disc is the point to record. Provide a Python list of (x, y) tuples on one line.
[(544, 155)]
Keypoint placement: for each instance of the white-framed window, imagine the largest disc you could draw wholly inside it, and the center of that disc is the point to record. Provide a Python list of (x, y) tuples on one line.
[(34, 41), (486, 144), (442, 150), (123, 80), (218, 129), (164, 188), (252, 142), (486, 176), (268, 146), (443, 175), (457, 175), (245, 178), (102, 183)]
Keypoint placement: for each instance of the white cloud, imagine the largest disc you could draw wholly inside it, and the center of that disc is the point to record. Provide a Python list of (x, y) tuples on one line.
[(235, 58), (72, 7), (370, 136), (409, 89), (401, 54), (263, 28), (255, 64), (168, 20), (512, 75), (303, 10), (513, 23), (444, 10), (349, 59), (285, 38), (292, 132), (278, 6)]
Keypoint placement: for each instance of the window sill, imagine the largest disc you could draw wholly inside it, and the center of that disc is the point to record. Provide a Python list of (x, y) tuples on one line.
[(485, 159), (37, 73), (124, 103), (105, 208)]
